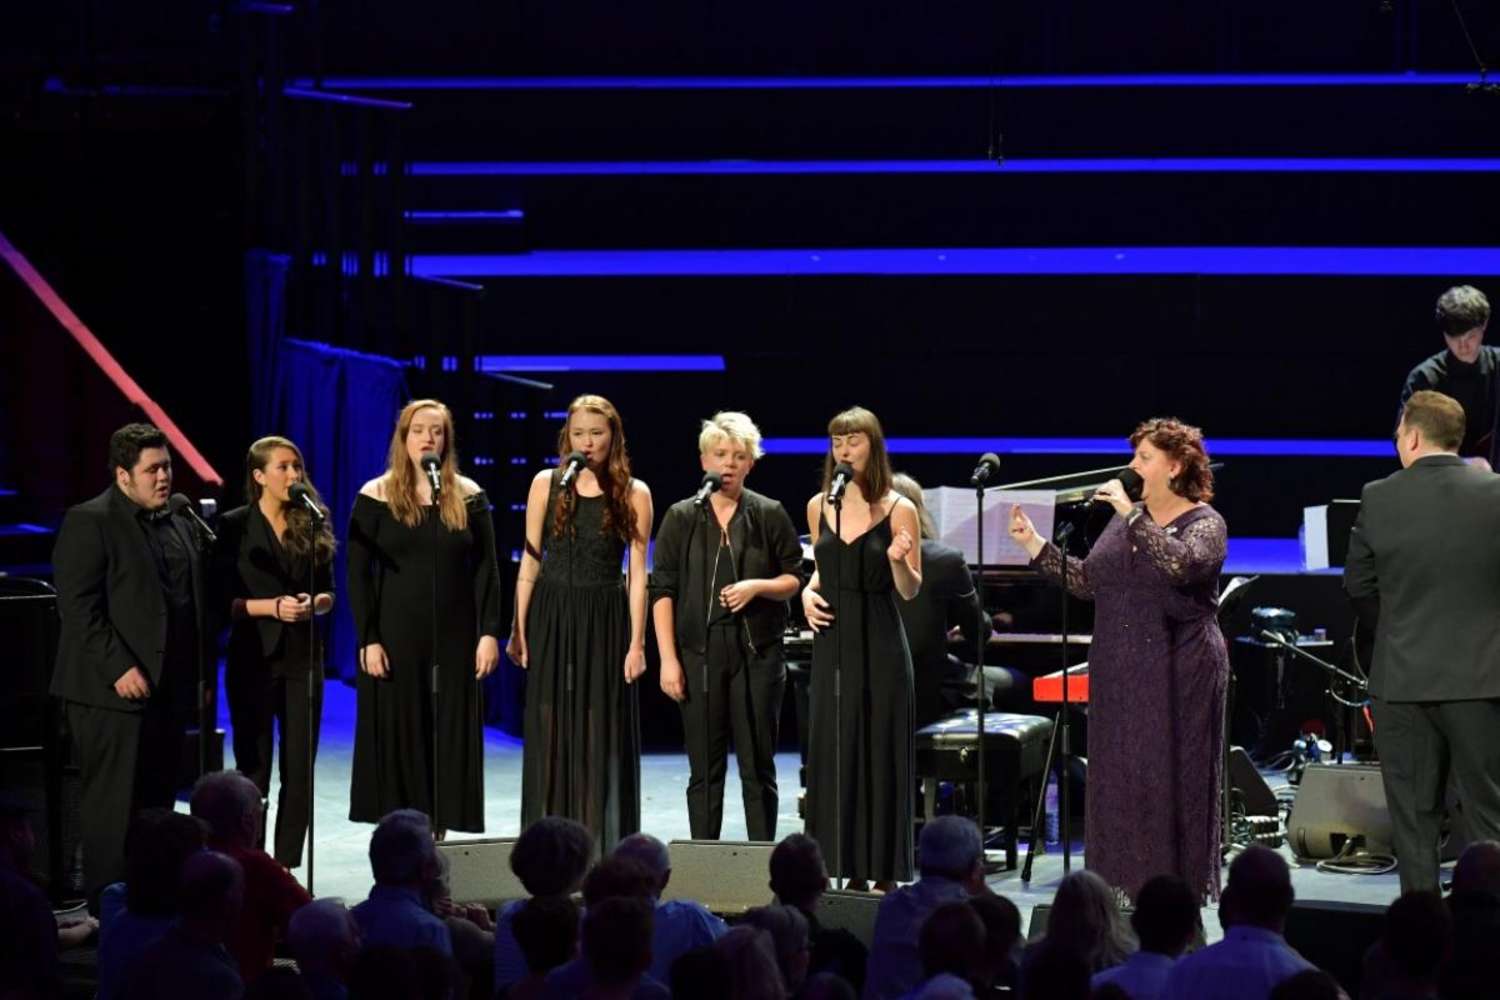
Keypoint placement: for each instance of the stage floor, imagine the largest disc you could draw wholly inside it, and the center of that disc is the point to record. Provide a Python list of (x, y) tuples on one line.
[(341, 864)]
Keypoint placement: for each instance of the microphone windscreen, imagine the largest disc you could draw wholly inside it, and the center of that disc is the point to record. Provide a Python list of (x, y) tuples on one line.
[(713, 481), (990, 460), (1133, 483), (430, 460), (843, 469), (298, 492), (179, 503), (576, 458)]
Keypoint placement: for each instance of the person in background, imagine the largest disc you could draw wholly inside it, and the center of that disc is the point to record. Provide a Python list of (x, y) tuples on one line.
[(191, 959), (1165, 921), (324, 939), (1466, 370)]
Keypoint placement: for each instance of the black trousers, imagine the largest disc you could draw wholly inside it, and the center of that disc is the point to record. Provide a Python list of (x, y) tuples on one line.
[(127, 762), (1421, 744), (732, 691), (277, 693)]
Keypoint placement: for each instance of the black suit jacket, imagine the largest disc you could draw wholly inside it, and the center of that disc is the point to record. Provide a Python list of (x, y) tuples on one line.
[(1423, 571), (246, 566), (948, 597), (114, 614)]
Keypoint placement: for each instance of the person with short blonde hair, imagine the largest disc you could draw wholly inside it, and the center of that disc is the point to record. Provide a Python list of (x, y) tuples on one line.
[(727, 561)]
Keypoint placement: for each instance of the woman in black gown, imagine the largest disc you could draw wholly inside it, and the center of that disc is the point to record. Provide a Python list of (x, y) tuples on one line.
[(859, 758), (270, 552), (402, 546), (580, 634)]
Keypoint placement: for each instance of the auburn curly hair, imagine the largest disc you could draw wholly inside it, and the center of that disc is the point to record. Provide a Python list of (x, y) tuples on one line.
[(1182, 443)]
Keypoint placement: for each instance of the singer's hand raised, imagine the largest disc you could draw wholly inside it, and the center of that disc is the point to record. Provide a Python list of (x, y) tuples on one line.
[(372, 660), (900, 546), (1023, 532), (486, 656), (1113, 493), (818, 612), (635, 664), (737, 595), (516, 650)]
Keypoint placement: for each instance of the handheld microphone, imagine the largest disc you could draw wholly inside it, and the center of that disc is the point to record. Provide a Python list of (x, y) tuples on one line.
[(302, 496), (843, 475), (1133, 483), (181, 506), (571, 468), (432, 465), (712, 483), (989, 464)]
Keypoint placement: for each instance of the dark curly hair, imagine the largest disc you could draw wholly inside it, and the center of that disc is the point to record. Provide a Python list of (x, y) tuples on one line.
[(1183, 443)]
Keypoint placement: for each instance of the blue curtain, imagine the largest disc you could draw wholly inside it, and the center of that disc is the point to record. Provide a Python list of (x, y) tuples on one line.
[(339, 406)]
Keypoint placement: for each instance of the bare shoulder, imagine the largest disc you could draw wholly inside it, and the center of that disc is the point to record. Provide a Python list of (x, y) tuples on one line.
[(639, 490), (542, 478), (814, 504), (375, 488), (469, 486)]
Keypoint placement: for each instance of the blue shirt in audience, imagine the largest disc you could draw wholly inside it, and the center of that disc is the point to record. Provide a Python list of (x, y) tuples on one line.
[(122, 938), (895, 967), (575, 978), (1247, 965), (396, 917), (510, 963), (679, 926), (1142, 977)]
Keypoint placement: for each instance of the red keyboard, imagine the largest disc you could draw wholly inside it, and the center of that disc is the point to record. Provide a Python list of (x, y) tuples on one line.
[(1048, 687)]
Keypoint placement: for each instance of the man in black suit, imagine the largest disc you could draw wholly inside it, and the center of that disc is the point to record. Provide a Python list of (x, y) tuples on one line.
[(130, 581), (1423, 571)]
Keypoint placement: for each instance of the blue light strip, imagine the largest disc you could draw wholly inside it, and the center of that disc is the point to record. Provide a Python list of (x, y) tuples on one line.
[(1324, 261), (600, 363), (1118, 446), (893, 82), (1096, 165), (506, 215)]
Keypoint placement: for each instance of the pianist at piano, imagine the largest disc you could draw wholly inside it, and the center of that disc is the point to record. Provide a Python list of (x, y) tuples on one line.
[(1158, 665)]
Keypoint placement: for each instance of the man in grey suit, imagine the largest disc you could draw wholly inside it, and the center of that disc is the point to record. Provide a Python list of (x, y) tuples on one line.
[(1423, 571)]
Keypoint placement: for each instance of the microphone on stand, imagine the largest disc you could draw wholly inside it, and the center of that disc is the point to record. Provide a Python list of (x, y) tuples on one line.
[(180, 505), (432, 465), (712, 483), (302, 496), (1133, 483), (843, 475), (989, 464), (571, 468)]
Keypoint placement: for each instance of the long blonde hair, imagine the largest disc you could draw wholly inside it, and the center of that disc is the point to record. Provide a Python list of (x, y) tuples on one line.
[(401, 479), (304, 539)]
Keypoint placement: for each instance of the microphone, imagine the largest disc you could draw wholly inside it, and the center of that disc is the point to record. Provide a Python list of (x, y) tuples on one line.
[(989, 464), (712, 483), (1133, 483), (843, 475), (302, 496), (432, 465), (180, 505), (575, 462)]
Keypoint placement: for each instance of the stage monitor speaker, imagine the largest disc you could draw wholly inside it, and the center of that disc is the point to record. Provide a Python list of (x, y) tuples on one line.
[(850, 911), (1337, 802), (1246, 779), (479, 871), (727, 876), (1334, 936)]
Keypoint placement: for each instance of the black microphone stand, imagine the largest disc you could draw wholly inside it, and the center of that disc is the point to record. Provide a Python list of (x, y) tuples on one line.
[(1065, 761), (981, 701), (314, 677), (708, 614), (437, 521), (838, 692), (206, 538)]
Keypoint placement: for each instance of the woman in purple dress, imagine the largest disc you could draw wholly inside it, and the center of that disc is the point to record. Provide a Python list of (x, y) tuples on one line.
[(1158, 666)]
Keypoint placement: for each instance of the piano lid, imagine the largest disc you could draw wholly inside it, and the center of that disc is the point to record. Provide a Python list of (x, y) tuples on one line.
[(1075, 487)]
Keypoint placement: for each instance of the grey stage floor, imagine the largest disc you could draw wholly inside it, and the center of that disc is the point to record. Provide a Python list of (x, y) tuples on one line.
[(341, 866)]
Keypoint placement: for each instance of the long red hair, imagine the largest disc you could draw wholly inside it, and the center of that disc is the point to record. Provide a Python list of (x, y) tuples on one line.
[(614, 478), (401, 478)]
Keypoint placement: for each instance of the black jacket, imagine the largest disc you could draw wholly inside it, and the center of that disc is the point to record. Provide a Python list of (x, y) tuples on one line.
[(109, 595), (765, 546), (247, 566), (1423, 570), (948, 597)]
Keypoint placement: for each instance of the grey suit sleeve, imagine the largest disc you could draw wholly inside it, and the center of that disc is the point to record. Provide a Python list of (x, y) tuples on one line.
[(1361, 581)]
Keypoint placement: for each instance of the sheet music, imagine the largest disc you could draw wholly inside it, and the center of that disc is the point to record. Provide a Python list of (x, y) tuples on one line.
[(955, 513)]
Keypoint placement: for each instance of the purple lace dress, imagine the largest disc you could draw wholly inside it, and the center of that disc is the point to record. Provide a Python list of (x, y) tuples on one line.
[(1157, 675)]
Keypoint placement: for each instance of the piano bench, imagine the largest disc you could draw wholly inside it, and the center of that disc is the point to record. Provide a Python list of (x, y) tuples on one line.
[(1014, 764)]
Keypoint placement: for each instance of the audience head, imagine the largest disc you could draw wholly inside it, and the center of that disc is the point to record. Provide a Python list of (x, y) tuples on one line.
[(1474, 966), (401, 851), (952, 941), (650, 852), (1418, 933), (229, 804), (157, 843), (552, 855), (278, 984), (617, 939), (1259, 891), (788, 930), (950, 847), (752, 964), (1310, 984), (827, 986), (1478, 868), (1002, 936), (546, 930), (17, 841), (1086, 921), (701, 972), (210, 894), (1166, 917), (324, 937), (798, 876), (1054, 972), (1109, 991), (616, 877)]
